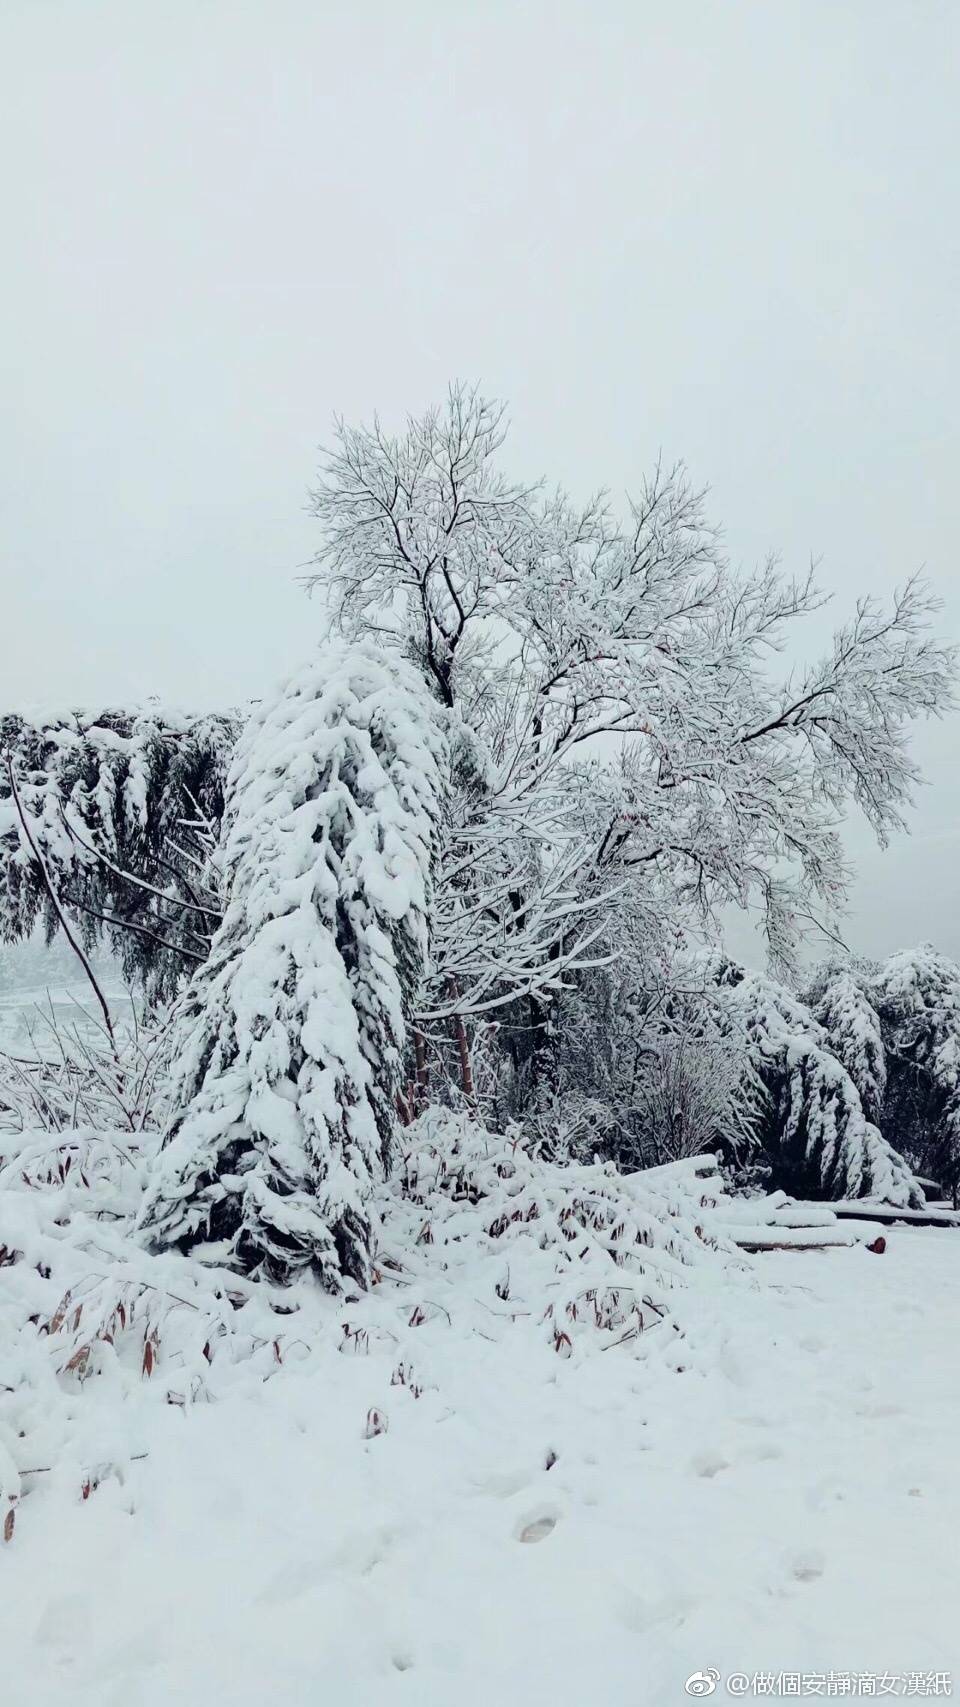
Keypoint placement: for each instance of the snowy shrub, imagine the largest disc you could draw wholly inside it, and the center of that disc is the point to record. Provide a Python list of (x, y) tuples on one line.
[(644, 1076), (853, 1035), (586, 1247), (86, 1314), (693, 1094), (291, 1037), (824, 1141), (917, 997), (816, 1133), (84, 1073)]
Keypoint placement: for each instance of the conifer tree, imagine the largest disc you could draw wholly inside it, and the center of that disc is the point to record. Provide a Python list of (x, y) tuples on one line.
[(293, 1032)]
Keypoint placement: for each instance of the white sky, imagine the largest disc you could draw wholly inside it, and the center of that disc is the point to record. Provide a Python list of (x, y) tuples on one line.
[(724, 230)]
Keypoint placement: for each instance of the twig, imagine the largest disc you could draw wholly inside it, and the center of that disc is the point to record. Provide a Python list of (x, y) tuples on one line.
[(138, 882)]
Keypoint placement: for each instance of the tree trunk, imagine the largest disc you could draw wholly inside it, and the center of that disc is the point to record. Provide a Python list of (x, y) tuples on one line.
[(463, 1047), (422, 1079)]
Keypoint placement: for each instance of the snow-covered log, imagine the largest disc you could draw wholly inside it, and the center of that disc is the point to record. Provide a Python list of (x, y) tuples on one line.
[(779, 1223)]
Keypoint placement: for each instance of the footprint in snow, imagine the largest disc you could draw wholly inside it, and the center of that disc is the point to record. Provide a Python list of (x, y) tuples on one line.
[(807, 1566), (537, 1527), (708, 1464)]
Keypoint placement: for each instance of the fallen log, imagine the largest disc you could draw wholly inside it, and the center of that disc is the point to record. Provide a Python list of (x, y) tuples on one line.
[(886, 1215), (772, 1223), (773, 1238)]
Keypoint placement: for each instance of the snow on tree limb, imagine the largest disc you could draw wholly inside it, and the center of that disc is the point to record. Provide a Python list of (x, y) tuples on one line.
[(292, 1034), (124, 806), (824, 1145), (854, 1036), (579, 645), (916, 994)]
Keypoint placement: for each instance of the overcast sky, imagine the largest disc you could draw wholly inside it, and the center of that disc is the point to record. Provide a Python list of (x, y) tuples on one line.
[(726, 231)]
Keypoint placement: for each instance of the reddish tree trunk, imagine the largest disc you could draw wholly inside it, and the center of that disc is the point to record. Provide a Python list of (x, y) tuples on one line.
[(422, 1071)]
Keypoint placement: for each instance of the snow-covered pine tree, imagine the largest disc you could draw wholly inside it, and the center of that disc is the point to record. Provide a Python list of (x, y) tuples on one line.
[(118, 812), (840, 1005), (293, 1032), (917, 996), (816, 1134)]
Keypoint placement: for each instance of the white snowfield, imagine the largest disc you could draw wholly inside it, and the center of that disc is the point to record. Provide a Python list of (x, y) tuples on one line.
[(790, 1503)]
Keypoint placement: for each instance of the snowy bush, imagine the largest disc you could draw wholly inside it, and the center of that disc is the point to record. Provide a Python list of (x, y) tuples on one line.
[(693, 1094), (644, 1076), (291, 1037), (85, 1073), (591, 1245), (815, 1130), (852, 1027), (916, 995)]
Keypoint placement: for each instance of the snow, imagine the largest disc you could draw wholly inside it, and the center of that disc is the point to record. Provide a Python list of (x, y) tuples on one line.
[(290, 1040), (25, 1014), (528, 1528), (822, 1133)]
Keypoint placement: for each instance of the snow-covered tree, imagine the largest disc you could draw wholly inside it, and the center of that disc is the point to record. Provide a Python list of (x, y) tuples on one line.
[(916, 995), (111, 818), (626, 760), (816, 1133), (645, 1070), (839, 1003), (292, 1033), (613, 676)]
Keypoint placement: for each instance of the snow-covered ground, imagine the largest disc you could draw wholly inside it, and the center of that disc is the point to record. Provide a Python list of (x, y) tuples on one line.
[(25, 1014), (795, 1508)]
